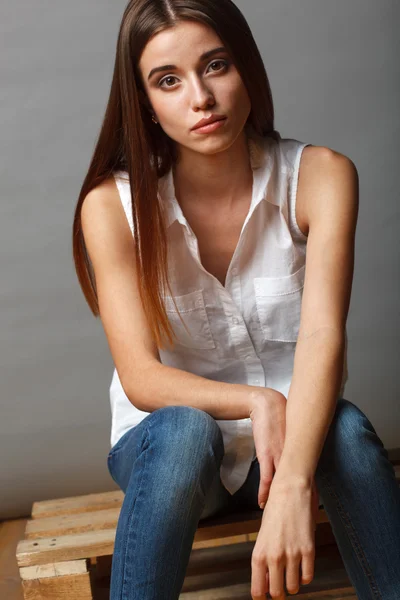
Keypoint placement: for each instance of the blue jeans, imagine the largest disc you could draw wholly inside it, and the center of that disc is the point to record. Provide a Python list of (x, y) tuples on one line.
[(168, 468)]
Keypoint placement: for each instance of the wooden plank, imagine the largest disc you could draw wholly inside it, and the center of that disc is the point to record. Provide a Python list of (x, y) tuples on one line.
[(68, 547), (77, 587), (68, 524), (77, 504), (72, 523), (87, 545), (73, 567), (107, 519), (57, 581)]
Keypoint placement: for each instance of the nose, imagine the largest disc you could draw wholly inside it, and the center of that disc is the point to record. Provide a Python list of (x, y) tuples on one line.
[(200, 94)]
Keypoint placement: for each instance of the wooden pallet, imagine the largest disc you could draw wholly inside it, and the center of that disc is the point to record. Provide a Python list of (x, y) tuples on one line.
[(68, 544)]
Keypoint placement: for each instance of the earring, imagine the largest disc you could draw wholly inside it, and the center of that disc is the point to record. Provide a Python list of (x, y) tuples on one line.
[(153, 119)]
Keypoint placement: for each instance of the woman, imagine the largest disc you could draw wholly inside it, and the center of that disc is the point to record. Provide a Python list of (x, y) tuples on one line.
[(190, 238)]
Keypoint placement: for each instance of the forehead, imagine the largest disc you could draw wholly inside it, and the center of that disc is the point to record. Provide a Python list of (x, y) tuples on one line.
[(184, 41)]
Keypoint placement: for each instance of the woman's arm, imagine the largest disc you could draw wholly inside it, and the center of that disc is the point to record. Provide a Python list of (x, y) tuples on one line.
[(330, 184)]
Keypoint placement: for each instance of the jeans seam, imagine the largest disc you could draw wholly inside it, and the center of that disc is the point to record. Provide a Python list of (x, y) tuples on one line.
[(353, 538), (124, 579), (183, 537), (184, 531)]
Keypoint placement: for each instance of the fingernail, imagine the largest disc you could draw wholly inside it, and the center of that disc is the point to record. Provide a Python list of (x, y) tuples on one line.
[(262, 505)]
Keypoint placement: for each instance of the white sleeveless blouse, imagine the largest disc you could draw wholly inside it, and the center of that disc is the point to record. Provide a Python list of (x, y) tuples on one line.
[(246, 331)]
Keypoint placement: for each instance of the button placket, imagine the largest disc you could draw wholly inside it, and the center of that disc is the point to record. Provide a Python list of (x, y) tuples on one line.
[(235, 290), (240, 334)]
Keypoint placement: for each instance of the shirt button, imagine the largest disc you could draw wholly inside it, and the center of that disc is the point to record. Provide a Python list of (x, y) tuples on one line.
[(235, 320), (199, 303), (257, 381), (248, 357)]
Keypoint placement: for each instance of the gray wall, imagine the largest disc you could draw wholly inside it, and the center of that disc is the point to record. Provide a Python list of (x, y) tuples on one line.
[(335, 81)]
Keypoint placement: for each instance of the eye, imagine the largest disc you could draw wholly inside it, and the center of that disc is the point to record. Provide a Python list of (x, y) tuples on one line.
[(165, 79), (224, 64)]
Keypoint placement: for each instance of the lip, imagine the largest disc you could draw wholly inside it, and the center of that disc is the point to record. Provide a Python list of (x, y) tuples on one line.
[(208, 121)]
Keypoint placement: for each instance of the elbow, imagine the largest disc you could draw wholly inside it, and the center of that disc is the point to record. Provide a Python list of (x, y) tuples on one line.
[(136, 399), (140, 391)]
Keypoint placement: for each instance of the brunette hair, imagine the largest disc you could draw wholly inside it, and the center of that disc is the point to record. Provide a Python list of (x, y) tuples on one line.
[(129, 140)]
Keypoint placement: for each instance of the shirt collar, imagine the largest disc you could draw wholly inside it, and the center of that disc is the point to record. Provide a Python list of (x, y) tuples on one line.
[(261, 152)]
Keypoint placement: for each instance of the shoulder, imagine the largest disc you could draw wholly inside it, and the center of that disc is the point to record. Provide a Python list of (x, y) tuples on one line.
[(101, 208), (103, 197), (324, 174), (323, 157), (103, 194)]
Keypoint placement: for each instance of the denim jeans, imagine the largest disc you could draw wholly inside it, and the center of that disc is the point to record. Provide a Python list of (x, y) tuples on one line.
[(168, 468)]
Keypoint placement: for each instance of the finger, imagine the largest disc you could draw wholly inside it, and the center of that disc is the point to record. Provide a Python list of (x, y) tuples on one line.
[(263, 493), (258, 589), (276, 572), (307, 567), (266, 473), (293, 575)]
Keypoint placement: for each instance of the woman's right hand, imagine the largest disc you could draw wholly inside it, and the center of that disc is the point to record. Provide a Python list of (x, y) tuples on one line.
[(268, 417)]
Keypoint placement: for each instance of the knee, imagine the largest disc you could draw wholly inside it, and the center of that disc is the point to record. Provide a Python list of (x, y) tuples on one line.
[(349, 423), (188, 433), (348, 441)]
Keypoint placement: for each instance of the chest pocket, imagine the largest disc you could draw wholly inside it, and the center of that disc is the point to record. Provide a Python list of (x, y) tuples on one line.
[(278, 301), (193, 312)]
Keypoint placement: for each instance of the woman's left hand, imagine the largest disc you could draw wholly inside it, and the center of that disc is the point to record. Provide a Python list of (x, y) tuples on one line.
[(285, 544)]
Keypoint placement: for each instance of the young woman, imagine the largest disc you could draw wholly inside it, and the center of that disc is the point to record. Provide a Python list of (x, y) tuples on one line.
[(223, 281)]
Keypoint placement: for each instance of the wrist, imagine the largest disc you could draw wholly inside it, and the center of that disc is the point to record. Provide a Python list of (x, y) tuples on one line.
[(254, 399), (292, 479), (295, 466), (260, 395)]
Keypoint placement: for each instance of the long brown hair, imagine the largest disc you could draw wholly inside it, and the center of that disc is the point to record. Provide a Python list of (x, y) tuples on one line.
[(129, 140)]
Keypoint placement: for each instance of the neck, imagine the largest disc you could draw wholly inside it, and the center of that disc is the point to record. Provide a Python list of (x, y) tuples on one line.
[(222, 178)]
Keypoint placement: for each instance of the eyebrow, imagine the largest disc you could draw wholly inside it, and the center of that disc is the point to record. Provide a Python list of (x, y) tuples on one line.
[(202, 57)]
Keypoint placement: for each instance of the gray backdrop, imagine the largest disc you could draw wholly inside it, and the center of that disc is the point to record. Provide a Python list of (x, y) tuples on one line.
[(335, 81)]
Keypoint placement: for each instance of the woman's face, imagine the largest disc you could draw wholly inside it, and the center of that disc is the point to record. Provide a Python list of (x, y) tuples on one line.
[(195, 87)]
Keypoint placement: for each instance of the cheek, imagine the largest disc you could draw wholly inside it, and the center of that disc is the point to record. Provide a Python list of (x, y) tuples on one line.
[(241, 96), (234, 93), (171, 121), (169, 109)]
